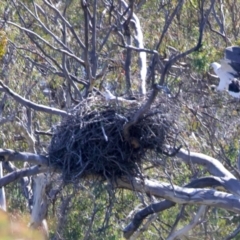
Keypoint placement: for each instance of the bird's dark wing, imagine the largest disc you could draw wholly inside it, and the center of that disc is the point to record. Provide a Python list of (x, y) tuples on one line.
[(234, 86), (232, 55)]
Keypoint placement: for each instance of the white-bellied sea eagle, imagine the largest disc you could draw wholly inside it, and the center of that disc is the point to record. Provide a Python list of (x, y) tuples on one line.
[(228, 70)]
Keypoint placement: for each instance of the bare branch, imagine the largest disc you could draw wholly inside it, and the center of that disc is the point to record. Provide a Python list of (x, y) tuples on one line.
[(166, 204), (183, 195), (64, 65), (84, 5), (66, 50), (3, 203), (168, 22), (27, 103), (29, 137), (145, 226), (20, 174), (139, 49), (40, 204), (66, 22), (10, 155), (94, 56), (214, 166)]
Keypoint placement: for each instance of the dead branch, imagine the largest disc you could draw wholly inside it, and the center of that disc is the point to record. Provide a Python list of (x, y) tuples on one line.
[(213, 166), (3, 203), (182, 195), (165, 204), (27, 103), (10, 155), (11, 177)]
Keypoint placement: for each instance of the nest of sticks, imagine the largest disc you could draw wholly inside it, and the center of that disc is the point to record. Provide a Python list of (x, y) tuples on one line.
[(91, 142)]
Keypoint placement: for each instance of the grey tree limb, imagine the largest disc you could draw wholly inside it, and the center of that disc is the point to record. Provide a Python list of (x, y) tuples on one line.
[(183, 195), (88, 68), (40, 203), (25, 183), (3, 203), (50, 5), (142, 55), (30, 104), (222, 178), (11, 155), (67, 51), (64, 64), (214, 167), (11, 177), (165, 204)]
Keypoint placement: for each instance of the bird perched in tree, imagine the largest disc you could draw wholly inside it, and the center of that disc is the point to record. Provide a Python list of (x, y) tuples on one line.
[(112, 98)]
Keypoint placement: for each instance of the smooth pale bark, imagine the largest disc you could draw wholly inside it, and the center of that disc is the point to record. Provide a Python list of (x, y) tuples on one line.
[(142, 55), (40, 204), (11, 155), (165, 204), (13, 176), (183, 195), (214, 167), (3, 204), (222, 178)]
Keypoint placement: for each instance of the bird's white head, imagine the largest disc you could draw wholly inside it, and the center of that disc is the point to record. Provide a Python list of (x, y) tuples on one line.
[(215, 66)]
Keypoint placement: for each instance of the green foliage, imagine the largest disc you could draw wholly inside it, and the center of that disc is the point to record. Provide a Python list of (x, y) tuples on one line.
[(3, 43), (202, 59)]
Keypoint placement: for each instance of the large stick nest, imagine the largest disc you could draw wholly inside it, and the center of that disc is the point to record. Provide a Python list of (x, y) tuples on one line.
[(91, 142)]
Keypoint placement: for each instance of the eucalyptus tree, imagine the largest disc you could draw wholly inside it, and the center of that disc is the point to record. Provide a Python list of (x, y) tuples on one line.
[(98, 96)]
